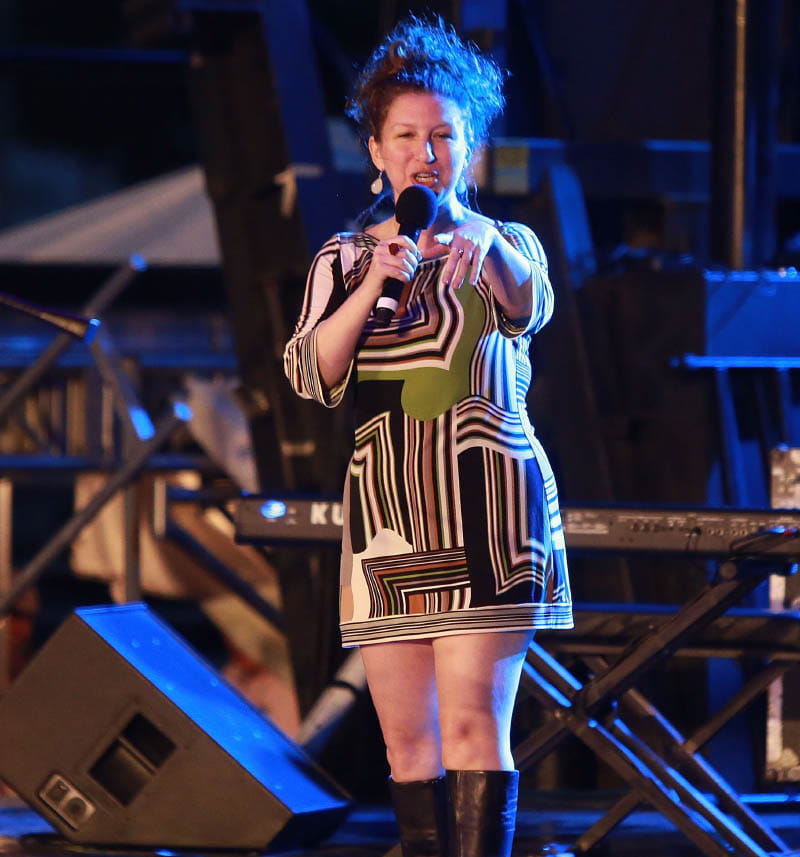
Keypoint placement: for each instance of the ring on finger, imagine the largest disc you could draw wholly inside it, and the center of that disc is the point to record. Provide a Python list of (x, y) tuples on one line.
[(394, 249), (460, 252)]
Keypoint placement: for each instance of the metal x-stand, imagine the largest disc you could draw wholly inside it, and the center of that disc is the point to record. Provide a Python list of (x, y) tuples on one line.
[(141, 438), (680, 785)]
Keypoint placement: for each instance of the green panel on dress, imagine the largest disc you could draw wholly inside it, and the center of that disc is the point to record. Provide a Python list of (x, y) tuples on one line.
[(429, 391)]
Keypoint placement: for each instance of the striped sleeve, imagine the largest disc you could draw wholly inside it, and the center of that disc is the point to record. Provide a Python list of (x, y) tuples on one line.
[(323, 295), (523, 239)]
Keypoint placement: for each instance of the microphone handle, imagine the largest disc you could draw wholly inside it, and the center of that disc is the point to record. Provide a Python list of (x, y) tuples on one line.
[(389, 300)]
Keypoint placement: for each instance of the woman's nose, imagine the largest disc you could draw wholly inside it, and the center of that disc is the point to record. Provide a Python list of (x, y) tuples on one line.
[(427, 154)]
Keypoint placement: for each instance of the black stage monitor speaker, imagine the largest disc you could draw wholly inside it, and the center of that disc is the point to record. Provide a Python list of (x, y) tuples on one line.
[(117, 732)]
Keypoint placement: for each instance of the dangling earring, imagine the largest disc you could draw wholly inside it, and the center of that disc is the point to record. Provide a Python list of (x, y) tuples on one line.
[(377, 184), (461, 187)]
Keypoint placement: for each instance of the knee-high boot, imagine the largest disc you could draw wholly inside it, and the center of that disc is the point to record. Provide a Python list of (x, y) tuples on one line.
[(421, 811), (483, 812)]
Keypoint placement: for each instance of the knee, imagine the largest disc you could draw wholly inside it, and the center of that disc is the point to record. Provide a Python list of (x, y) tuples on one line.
[(469, 728), (473, 739), (413, 755)]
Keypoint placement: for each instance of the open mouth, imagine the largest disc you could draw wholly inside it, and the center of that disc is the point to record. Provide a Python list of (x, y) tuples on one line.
[(426, 178)]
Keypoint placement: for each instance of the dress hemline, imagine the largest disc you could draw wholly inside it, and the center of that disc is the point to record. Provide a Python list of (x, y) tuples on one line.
[(517, 617)]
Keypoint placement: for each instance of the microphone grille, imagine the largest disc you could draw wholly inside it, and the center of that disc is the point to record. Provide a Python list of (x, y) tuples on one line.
[(416, 207)]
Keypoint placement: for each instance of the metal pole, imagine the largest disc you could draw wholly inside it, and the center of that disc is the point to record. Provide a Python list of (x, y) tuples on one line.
[(764, 75), (113, 287), (6, 575), (729, 136), (31, 573)]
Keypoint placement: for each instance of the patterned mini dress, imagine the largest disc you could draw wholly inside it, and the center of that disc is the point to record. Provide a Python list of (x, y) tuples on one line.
[(451, 518)]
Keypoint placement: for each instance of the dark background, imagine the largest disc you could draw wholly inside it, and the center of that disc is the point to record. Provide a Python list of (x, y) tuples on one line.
[(82, 114)]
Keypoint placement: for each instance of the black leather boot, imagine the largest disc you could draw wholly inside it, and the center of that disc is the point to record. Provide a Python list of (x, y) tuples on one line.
[(483, 812), (421, 810)]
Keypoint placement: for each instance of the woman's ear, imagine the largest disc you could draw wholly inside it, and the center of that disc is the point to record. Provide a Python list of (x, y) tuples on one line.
[(375, 153), (469, 154)]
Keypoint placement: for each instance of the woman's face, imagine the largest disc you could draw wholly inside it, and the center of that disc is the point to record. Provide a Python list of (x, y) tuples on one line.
[(422, 142)]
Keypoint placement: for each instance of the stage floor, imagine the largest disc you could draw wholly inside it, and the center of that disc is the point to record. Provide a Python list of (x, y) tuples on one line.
[(547, 825)]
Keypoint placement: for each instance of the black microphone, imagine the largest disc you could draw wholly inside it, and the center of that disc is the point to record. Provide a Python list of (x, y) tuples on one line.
[(414, 211)]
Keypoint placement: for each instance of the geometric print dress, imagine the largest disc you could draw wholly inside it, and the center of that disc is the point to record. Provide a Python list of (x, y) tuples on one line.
[(451, 518)]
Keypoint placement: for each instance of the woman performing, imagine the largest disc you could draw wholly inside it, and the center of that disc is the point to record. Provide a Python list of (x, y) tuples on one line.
[(453, 550)]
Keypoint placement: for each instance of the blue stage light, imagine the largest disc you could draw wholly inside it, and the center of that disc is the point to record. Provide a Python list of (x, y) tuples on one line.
[(142, 423), (182, 411), (273, 509)]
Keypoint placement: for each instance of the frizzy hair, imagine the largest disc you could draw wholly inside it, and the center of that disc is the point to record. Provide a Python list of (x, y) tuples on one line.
[(427, 56)]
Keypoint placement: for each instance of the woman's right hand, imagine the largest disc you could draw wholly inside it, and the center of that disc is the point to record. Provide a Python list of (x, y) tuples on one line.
[(395, 257), (338, 335)]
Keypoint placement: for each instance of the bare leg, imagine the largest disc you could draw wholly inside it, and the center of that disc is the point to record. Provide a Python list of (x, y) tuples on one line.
[(402, 682), (477, 676)]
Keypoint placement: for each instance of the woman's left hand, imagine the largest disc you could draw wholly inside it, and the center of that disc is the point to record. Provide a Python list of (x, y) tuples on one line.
[(469, 244)]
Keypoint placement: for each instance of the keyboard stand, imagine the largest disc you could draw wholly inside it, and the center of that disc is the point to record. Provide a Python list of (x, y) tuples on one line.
[(682, 786)]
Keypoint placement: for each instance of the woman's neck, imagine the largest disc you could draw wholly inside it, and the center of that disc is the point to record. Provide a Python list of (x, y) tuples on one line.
[(448, 216)]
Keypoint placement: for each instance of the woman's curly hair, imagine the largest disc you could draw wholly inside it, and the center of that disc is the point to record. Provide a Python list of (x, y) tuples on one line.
[(428, 56)]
